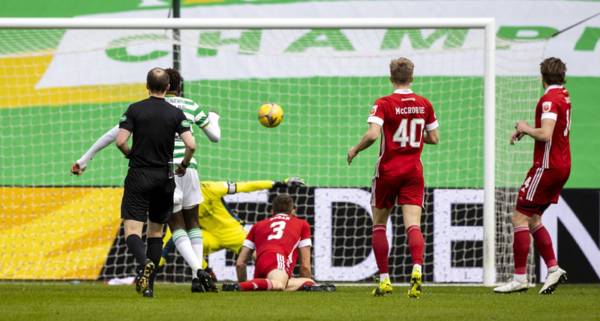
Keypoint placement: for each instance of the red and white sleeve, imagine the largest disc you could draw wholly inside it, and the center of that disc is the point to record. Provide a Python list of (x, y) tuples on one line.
[(431, 122), (305, 235), (549, 110), (377, 115), (249, 241)]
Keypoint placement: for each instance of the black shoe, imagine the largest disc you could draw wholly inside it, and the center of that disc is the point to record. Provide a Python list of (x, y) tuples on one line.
[(148, 293), (212, 274), (330, 287), (206, 281), (197, 286), (230, 287), (142, 279), (327, 287)]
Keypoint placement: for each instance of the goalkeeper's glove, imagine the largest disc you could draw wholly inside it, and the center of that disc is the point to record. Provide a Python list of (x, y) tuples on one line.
[(289, 182)]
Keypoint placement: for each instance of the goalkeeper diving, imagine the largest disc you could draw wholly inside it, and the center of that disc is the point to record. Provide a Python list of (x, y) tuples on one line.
[(221, 228)]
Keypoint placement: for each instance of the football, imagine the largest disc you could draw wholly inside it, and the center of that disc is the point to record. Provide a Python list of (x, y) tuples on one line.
[(270, 115)]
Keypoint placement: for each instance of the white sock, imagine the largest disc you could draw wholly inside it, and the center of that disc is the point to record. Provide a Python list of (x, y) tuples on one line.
[(184, 246), (520, 277), (195, 235), (417, 267), (384, 276)]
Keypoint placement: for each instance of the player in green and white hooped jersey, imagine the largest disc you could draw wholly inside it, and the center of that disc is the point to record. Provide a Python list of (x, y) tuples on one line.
[(184, 221)]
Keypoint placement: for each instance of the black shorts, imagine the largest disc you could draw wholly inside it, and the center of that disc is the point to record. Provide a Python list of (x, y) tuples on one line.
[(148, 194)]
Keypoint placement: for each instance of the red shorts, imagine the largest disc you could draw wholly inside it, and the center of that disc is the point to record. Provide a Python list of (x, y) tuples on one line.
[(271, 261), (401, 190), (541, 187)]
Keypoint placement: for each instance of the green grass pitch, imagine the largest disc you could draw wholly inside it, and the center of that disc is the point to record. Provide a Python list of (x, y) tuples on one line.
[(95, 301)]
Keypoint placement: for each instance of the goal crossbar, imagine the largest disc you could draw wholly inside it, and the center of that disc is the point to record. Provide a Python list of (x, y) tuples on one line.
[(251, 23)]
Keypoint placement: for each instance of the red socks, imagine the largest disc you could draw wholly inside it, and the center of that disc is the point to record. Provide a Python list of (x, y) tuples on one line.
[(521, 249), (416, 244), (543, 243), (256, 285), (380, 247)]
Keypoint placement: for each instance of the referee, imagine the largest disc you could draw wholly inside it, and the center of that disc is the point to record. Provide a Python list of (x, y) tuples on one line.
[(149, 184)]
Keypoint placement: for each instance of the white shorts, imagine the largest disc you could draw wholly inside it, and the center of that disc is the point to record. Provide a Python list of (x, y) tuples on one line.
[(187, 191)]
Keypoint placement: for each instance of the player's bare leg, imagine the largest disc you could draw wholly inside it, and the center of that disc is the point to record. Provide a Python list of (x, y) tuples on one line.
[(276, 280), (521, 242), (279, 280), (190, 217), (295, 284), (381, 249), (411, 215), (184, 247), (543, 243)]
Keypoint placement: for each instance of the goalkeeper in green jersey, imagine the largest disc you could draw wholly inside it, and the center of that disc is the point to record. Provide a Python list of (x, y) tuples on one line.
[(183, 222)]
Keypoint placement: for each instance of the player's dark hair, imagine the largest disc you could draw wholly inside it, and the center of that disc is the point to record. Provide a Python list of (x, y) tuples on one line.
[(283, 203), (553, 71), (175, 81), (401, 71), (157, 80)]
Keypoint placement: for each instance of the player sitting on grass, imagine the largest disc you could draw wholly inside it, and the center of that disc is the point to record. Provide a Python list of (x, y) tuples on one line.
[(407, 121), (545, 180), (184, 219), (221, 229), (275, 239)]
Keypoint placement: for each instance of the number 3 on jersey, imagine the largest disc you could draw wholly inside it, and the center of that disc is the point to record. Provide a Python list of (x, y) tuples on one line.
[(277, 228), (402, 136)]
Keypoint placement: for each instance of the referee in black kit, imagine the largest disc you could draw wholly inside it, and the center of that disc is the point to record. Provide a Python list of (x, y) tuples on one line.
[(149, 184)]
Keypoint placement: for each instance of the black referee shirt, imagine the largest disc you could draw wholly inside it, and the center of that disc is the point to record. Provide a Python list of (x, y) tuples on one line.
[(153, 122)]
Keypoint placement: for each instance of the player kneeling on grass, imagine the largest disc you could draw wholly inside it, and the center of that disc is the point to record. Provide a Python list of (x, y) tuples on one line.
[(275, 240)]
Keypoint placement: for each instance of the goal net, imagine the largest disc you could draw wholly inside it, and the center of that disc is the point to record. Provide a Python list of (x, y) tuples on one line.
[(63, 88)]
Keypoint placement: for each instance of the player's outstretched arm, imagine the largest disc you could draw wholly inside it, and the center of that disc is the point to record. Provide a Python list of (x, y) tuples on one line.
[(212, 130), (104, 140), (251, 186), (365, 142), (241, 263), (432, 137), (542, 134)]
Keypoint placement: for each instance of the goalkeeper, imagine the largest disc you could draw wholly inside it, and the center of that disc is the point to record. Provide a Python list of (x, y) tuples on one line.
[(221, 228)]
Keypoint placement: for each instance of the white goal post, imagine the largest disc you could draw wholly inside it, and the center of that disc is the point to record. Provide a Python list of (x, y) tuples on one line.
[(486, 24)]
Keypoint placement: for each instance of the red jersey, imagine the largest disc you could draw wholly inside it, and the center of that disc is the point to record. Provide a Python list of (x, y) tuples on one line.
[(403, 116), (555, 104), (280, 233)]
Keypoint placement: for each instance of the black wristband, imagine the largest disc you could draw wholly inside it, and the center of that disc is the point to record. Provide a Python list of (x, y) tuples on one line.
[(184, 165), (277, 184)]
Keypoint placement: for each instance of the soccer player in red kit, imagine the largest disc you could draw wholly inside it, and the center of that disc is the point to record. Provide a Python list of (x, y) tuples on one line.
[(546, 178), (407, 121), (276, 240)]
